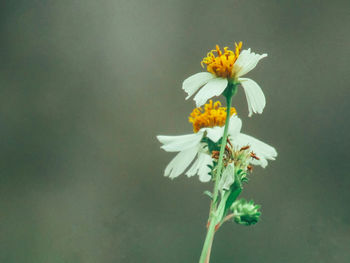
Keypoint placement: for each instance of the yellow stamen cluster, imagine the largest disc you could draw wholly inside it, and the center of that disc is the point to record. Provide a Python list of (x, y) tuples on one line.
[(212, 115), (222, 64)]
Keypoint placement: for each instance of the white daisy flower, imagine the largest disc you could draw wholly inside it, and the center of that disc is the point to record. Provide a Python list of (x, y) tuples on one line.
[(209, 123), (227, 66)]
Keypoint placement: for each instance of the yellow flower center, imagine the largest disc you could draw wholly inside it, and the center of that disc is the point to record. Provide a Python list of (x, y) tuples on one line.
[(221, 65), (212, 115)]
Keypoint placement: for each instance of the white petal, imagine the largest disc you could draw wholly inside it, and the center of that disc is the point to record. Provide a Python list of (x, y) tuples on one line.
[(204, 170), (262, 162), (235, 126), (180, 162), (246, 62), (181, 142), (193, 83), (255, 97), (262, 150), (213, 88), (200, 166), (194, 168), (214, 133)]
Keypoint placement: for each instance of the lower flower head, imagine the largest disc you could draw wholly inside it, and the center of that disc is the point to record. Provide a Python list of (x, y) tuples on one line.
[(212, 115), (221, 65)]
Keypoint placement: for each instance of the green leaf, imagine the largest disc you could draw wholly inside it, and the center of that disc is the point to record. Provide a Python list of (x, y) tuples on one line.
[(236, 189)]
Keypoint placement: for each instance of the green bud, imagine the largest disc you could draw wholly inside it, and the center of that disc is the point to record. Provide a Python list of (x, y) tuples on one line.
[(245, 213)]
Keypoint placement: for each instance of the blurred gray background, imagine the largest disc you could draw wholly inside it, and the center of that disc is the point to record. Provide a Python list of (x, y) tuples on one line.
[(85, 86)]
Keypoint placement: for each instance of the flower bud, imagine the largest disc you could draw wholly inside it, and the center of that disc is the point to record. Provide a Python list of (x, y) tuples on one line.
[(245, 213)]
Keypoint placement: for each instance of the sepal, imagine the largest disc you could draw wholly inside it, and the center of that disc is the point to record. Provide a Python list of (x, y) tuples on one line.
[(227, 178), (212, 146), (208, 193)]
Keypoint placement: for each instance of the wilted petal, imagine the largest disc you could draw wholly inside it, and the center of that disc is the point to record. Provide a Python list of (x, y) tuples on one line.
[(235, 126), (255, 97), (194, 168), (193, 83), (246, 62), (200, 167), (262, 150), (181, 142), (214, 133), (213, 88), (180, 162), (204, 170)]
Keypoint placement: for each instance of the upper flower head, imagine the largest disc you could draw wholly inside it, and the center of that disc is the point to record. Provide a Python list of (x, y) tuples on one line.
[(226, 67), (221, 65), (212, 115)]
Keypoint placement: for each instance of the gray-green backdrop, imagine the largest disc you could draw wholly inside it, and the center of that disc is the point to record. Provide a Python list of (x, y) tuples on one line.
[(85, 86)]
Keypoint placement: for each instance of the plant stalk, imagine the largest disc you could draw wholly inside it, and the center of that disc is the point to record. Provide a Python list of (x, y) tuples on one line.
[(222, 149), (216, 214), (215, 219)]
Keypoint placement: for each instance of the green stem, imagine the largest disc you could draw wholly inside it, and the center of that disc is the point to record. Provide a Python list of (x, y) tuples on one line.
[(215, 215), (222, 149), (215, 219), (208, 241)]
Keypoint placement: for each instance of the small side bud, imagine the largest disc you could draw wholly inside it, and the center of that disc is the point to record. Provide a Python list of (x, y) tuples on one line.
[(245, 213)]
